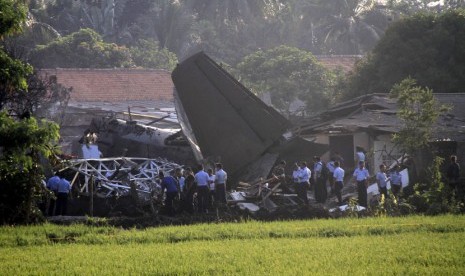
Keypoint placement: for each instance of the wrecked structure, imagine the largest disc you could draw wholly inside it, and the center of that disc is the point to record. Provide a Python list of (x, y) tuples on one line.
[(225, 122), (370, 120)]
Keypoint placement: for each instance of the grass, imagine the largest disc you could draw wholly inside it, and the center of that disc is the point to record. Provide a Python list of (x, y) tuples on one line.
[(407, 245)]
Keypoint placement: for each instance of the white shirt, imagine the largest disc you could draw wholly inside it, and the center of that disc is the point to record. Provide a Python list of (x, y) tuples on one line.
[(304, 175), (331, 166), (182, 179), (295, 175), (211, 182), (361, 174), (221, 176), (201, 178), (338, 174), (360, 156), (317, 168), (382, 179)]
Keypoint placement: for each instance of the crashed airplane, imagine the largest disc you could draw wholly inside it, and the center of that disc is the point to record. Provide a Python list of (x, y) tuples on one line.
[(225, 122)]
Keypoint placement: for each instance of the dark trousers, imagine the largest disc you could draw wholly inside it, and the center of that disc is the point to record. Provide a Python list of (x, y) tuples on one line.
[(395, 189), (301, 190), (321, 193), (220, 193), (383, 191), (337, 190), (202, 198), (52, 204), (169, 202), (362, 193), (188, 201), (62, 203)]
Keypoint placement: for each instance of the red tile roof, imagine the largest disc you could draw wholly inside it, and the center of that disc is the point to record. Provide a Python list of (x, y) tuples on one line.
[(113, 85), (344, 62)]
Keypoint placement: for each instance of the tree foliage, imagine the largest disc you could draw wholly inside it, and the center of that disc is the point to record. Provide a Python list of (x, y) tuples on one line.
[(430, 48), (21, 145), (83, 49), (287, 73), (147, 54), (418, 110)]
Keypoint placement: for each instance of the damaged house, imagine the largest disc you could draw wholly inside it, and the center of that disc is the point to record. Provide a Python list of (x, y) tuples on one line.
[(370, 120)]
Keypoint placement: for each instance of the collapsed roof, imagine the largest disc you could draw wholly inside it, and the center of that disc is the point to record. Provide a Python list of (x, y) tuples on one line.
[(378, 113)]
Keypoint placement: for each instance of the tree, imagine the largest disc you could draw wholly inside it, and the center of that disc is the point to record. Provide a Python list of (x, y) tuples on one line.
[(13, 72), (148, 54), (418, 110), (83, 49), (430, 48), (22, 144), (348, 26), (287, 73), (22, 140)]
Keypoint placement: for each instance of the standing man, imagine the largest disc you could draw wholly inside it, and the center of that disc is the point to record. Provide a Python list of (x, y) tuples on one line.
[(220, 183), (453, 176), (62, 197), (321, 193), (170, 184), (201, 178), (381, 180), (361, 175), (52, 185), (189, 190), (331, 167), (396, 181), (295, 177), (211, 188), (304, 176), (338, 176)]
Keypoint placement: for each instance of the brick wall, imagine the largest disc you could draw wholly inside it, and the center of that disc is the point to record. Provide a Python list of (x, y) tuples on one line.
[(115, 84)]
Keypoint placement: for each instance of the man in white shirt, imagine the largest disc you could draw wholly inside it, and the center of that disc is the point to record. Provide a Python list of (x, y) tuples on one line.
[(361, 175), (338, 176), (304, 176), (220, 183), (201, 178), (381, 180), (331, 167)]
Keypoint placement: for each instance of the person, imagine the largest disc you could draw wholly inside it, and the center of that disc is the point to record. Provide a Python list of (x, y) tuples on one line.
[(295, 177), (361, 175), (170, 185), (280, 170), (220, 183), (189, 190), (211, 186), (338, 157), (331, 167), (338, 176), (396, 181), (52, 185), (359, 155), (381, 180), (201, 179), (181, 179), (63, 190), (453, 174), (321, 192), (304, 176)]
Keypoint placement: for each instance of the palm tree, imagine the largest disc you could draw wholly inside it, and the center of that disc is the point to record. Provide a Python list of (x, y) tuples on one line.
[(348, 26)]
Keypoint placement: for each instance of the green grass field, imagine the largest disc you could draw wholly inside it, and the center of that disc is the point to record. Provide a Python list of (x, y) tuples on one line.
[(409, 245)]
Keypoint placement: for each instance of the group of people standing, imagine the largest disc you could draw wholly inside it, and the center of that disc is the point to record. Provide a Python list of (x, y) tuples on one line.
[(196, 192), (58, 202), (304, 180)]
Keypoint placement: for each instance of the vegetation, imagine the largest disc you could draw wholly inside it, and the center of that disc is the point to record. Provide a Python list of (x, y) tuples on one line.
[(288, 74), (413, 245), (430, 48)]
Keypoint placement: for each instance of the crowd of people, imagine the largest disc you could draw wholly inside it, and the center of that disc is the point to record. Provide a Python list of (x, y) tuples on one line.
[(197, 192), (184, 190)]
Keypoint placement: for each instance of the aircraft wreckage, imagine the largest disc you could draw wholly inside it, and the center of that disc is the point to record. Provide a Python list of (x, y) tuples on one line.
[(222, 121), (225, 122)]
